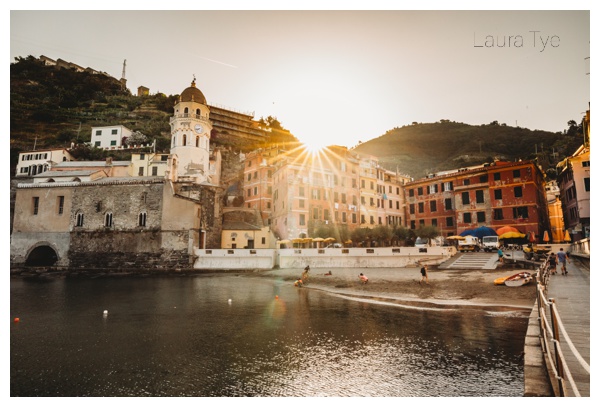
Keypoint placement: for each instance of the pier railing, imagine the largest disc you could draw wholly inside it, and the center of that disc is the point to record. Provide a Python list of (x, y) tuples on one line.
[(551, 332)]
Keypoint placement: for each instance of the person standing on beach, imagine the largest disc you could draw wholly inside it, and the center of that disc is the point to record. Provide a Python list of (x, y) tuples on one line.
[(363, 279), (424, 276), (562, 260)]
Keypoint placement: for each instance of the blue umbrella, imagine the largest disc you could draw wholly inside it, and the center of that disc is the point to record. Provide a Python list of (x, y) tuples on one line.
[(480, 232), (483, 231)]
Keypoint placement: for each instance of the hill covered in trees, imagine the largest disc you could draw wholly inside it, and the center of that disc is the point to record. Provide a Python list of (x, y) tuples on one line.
[(424, 148)]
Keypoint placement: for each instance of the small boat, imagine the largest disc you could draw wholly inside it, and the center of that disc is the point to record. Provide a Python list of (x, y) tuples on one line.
[(518, 280)]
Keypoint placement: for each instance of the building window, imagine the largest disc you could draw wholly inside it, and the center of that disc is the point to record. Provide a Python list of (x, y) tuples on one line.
[(113, 131), (467, 217), (142, 219), (301, 191), (433, 206), (411, 192), (141, 171), (467, 182), (465, 198), (421, 222), (249, 192), (518, 192), (480, 217), (421, 207), (447, 186), (302, 220), (108, 219), (497, 194), (448, 204), (197, 141), (255, 191), (315, 213), (98, 132), (301, 203), (263, 240), (61, 204), (585, 163), (483, 178), (97, 144), (449, 221), (79, 221), (113, 142), (420, 191), (479, 196), (586, 182), (36, 205), (498, 215), (520, 212), (434, 222), (517, 174), (413, 224), (344, 217), (154, 171), (411, 209), (496, 176), (362, 219), (353, 218), (372, 220)]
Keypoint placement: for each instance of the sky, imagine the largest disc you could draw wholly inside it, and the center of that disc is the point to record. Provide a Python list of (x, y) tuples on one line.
[(336, 76)]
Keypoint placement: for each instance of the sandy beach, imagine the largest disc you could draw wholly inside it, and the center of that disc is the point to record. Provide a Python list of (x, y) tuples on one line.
[(454, 288)]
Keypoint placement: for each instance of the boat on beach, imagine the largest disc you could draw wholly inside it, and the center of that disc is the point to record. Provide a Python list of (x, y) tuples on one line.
[(516, 280)]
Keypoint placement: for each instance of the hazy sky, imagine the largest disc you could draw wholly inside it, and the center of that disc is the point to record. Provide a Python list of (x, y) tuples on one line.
[(337, 77)]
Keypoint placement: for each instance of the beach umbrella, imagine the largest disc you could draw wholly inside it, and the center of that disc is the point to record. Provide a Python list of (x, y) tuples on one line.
[(484, 231), (468, 232), (455, 237), (505, 229), (567, 236), (546, 237), (511, 235)]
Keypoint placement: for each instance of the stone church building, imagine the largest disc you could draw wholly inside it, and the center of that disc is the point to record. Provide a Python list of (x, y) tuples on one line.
[(152, 222)]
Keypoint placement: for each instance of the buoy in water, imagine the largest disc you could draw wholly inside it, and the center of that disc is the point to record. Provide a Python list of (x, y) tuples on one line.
[(17, 319), (276, 297), (229, 300)]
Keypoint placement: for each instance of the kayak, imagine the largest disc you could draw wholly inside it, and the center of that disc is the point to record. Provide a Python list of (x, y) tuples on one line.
[(518, 280)]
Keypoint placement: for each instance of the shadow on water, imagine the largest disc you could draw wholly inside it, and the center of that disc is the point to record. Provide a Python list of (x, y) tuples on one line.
[(238, 336)]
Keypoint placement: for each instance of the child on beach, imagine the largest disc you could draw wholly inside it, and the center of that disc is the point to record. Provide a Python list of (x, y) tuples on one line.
[(424, 276), (363, 278)]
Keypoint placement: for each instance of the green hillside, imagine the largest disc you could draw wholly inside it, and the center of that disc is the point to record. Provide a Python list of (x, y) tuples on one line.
[(424, 148)]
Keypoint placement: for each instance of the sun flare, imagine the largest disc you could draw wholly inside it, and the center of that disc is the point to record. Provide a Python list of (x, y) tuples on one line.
[(314, 146)]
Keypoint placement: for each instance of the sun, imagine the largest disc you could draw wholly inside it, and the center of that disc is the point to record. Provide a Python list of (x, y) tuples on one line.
[(314, 146)]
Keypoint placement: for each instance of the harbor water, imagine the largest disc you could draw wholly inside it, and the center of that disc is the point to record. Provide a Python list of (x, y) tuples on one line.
[(228, 335)]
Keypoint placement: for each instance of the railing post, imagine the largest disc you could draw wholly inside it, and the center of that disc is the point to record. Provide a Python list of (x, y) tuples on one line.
[(555, 334)]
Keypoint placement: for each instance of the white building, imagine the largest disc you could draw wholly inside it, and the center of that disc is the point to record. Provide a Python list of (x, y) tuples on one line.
[(109, 137), (35, 162)]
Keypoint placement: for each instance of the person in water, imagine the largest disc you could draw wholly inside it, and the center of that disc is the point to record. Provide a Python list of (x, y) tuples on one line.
[(363, 279), (299, 283)]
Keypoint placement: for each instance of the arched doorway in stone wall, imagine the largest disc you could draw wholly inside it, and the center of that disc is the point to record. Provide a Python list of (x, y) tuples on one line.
[(42, 256)]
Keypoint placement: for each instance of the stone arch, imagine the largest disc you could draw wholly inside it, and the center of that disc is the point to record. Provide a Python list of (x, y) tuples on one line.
[(42, 254)]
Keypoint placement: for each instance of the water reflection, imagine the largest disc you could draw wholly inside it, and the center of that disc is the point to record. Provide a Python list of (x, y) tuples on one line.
[(183, 337)]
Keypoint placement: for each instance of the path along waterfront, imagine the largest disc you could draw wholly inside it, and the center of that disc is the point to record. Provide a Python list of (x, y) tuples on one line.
[(571, 294)]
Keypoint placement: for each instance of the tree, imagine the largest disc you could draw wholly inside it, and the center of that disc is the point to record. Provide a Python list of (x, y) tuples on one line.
[(136, 138), (429, 232)]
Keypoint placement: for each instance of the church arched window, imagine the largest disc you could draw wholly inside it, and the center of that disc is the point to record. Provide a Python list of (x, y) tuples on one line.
[(198, 112), (185, 111), (108, 219), (184, 139), (173, 141), (197, 141), (142, 219)]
